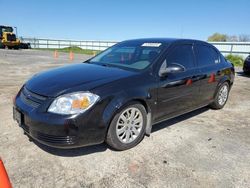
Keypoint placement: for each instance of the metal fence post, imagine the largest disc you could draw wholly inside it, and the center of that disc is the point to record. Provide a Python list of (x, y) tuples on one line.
[(231, 50), (38, 43)]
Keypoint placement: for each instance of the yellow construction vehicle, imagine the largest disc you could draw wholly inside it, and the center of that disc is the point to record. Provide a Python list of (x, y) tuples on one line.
[(9, 40)]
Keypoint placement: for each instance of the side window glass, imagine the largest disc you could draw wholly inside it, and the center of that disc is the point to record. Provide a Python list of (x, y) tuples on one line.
[(206, 55), (215, 56), (183, 55)]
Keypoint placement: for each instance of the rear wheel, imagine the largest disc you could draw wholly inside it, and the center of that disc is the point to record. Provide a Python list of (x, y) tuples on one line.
[(221, 96), (127, 128)]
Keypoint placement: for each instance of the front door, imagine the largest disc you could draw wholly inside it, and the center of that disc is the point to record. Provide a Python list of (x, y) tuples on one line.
[(177, 91)]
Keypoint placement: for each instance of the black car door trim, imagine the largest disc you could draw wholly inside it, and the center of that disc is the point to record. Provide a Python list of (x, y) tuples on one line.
[(180, 96)]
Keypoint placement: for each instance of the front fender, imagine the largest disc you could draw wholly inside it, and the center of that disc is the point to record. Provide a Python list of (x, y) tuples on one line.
[(124, 97)]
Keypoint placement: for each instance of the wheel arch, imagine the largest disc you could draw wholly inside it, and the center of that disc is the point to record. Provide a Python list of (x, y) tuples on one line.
[(117, 105), (223, 80), (149, 114)]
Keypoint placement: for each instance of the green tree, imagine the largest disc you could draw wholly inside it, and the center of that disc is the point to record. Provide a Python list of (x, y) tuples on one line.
[(217, 37)]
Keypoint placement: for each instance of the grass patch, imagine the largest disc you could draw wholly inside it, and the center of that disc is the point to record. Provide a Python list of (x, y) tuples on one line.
[(74, 49), (235, 59)]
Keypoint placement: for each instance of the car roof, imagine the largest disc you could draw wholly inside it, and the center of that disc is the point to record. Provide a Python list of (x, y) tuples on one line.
[(166, 40)]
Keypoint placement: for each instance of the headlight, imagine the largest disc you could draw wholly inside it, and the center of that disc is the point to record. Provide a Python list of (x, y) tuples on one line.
[(73, 103)]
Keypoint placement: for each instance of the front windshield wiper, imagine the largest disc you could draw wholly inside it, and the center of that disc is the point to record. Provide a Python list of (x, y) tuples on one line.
[(87, 61), (111, 65), (102, 64), (106, 65)]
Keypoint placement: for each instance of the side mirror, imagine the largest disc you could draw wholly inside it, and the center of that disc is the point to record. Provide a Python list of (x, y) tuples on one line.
[(172, 69)]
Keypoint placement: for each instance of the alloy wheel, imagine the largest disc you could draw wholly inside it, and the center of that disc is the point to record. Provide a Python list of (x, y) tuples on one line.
[(129, 125), (223, 94)]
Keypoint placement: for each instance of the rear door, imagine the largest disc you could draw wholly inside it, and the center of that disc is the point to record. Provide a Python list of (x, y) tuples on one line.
[(177, 91), (208, 60)]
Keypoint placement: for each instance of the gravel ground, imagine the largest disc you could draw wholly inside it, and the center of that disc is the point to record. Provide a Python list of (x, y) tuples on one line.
[(204, 148)]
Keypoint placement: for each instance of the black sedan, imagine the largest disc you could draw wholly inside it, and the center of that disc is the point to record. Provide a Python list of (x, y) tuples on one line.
[(119, 94), (246, 66)]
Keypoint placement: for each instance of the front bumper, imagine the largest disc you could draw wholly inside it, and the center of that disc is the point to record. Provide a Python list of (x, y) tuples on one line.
[(59, 131)]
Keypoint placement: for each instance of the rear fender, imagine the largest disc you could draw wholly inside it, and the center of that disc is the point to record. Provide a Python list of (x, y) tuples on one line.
[(222, 80)]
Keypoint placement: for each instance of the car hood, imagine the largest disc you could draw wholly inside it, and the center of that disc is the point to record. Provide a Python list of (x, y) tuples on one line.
[(77, 77)]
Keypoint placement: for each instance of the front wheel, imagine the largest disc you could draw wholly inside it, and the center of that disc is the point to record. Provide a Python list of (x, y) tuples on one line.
[(221, 96), (127, 128)]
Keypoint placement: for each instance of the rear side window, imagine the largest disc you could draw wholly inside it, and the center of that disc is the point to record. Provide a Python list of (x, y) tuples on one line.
[(183, 55), (206, 55)]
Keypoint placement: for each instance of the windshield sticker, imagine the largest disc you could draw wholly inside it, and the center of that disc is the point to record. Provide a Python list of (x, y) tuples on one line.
[(151, 44)]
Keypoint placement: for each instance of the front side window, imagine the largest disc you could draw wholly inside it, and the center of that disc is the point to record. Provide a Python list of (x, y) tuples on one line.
[(182, 55), (135, 55)]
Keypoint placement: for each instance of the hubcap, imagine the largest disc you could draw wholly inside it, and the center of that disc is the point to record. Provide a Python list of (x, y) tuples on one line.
[(129, 125), (223, 94)]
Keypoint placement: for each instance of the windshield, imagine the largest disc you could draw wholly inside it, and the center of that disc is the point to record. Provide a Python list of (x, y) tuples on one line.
[(136, 55), (7, 29)]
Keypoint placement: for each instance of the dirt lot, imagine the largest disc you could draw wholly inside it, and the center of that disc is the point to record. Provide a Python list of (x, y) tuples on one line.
[(205, 148)]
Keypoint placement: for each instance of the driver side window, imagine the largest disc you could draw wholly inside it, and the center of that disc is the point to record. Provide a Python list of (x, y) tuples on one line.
[(182, 55)]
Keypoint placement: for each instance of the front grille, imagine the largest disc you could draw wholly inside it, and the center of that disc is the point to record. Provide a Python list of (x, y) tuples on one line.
[(31, 99), (11, 37), (56, 139), (59, 140)]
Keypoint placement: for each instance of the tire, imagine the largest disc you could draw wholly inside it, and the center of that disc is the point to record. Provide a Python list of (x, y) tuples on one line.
[(246, 72), (221, 96), (16, 47), (123, 124), (1, 45)]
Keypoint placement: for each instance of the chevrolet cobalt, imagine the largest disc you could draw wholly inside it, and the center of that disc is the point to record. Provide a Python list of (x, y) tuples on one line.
[(120, 93)]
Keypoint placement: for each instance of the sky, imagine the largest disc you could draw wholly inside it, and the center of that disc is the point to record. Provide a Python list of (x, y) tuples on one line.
[(117, 20)]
